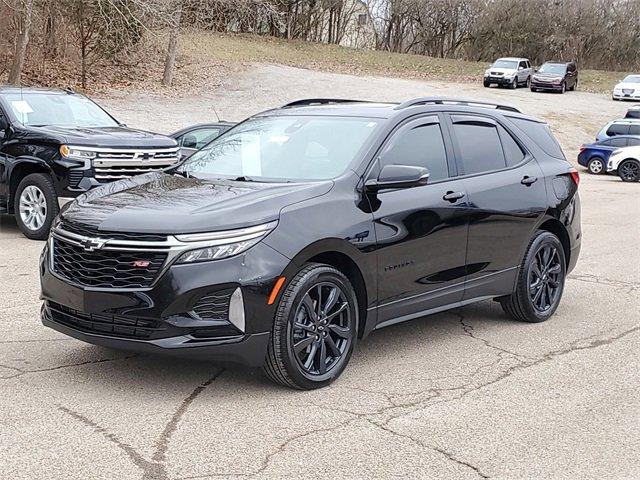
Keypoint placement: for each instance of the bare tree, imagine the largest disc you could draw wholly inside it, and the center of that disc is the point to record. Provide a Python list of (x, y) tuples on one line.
[(172, 49), (21, 44)]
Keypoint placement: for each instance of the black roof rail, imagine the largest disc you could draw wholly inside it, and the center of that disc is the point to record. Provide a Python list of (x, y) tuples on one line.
[(455, 101), (320, 101)]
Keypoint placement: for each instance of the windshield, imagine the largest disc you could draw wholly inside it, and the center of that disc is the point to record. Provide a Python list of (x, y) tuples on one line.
[(283, 148), (631, 79), (553, 68), (60, 110), (505, 64)]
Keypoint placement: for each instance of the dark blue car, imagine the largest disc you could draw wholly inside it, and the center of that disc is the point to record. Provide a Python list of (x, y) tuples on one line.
[(594, 156)]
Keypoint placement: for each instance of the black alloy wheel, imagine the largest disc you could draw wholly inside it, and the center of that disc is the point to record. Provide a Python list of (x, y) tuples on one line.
[(629, 171), (315, 329), (540, 281), (321, 333), (545, 277)]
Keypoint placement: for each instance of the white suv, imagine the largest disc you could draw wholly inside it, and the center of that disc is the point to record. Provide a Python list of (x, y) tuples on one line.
[(510, 72), (626, 161)]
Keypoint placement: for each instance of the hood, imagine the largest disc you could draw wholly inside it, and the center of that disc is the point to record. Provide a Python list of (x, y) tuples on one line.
[(171, 204), (629, 85), (548, 75), (501, 70), (120, 136)]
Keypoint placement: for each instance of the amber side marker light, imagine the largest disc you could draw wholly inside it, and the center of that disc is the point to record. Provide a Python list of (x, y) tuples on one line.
[(275, 290)]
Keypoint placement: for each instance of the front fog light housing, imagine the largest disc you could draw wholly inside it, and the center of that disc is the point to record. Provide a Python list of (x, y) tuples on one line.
[(76, 153), (219, 245)]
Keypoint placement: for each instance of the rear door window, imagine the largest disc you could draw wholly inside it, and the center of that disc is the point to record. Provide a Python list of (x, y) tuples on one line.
[(616, 142), (479, 144), (618, 129), (634, 129), (633, 142)]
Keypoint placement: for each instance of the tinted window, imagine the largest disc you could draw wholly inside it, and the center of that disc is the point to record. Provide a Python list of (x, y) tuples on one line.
[(541, 134), (633, 142), (523, 64), (421, 145), (480, 147), (198, 138), (634, 129), (618, 129), (512, 151), (616, 142)]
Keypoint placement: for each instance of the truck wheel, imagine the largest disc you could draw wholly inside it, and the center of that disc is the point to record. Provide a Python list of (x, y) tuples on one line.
[(35, 205), (629, 171)]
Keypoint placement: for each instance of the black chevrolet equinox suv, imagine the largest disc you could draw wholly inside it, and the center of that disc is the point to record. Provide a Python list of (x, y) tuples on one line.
[(304, 228)]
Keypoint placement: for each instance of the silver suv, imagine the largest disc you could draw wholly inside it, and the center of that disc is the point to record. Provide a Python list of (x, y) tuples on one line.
[(510, 72)]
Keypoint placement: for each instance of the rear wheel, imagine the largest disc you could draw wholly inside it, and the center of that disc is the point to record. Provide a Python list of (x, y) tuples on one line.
[(629, 171), (540, 280), (315, 329), (596, 166), (35, 205), (528, 83)]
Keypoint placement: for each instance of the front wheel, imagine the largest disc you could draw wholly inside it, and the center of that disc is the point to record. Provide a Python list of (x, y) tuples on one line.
[(486, 84), (540, 281), (563, 88), (596, 166), (35, 205), (314, 330), (629, 171), (514, 84)]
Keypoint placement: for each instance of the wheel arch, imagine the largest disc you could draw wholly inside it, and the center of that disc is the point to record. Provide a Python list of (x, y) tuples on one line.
[(20, 168), (554, 226), (345, 258)]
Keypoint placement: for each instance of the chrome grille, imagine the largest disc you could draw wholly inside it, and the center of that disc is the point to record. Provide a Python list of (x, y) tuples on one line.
[(627, 91), (115, 164)]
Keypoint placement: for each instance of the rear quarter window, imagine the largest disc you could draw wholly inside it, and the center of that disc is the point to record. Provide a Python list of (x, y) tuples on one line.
[(618, 129), (541, 134)]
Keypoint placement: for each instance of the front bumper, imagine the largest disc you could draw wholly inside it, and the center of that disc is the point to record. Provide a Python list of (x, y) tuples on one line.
[(162, 319), (555, 87), (635, 95), (498, 80)]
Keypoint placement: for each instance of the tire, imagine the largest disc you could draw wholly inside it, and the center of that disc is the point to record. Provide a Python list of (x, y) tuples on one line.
[(486, 84), (596, 166), (575, 86), (563, 88), (35, 205), (629, 170), (513, 85), (530, 303), (533, 89), (297, 308), (528, 82)]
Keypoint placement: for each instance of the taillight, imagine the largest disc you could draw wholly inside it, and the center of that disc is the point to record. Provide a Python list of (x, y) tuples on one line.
[(582, 148), (575, 176)]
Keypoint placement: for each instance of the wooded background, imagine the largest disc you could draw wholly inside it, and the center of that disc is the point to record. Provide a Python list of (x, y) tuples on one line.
[(84, 35)]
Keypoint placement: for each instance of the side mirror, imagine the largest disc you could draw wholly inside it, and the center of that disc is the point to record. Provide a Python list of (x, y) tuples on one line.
[(520, 68), (190, 141), (398, 176)]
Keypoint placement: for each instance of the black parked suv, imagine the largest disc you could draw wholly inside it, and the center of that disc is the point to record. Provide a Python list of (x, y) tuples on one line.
[(306, 227), (56, 144), (556, 77)]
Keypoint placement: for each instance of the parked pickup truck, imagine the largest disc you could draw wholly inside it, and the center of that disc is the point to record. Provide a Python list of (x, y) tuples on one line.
[(56, 144)]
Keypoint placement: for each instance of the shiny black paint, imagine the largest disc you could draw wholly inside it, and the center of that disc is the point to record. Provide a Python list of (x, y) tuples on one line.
[(412, 251), (28, 149)]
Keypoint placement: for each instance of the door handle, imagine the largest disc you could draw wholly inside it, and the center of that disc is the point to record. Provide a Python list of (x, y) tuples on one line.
[(453, 196), (528, 181)]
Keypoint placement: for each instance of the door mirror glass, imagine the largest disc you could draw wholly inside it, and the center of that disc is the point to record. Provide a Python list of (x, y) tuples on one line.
[(398, 176)]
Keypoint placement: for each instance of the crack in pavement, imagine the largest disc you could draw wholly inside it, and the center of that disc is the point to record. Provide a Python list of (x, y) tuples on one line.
[(468, 329), (590, 278), (61, 367), (156, 468), (418, 442)]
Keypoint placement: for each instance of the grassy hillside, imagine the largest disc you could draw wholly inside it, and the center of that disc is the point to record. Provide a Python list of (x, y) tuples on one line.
[(229, 49)]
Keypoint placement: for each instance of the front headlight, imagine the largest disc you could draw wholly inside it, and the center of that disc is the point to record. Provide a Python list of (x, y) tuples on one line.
[(76, 153), (219, 245)]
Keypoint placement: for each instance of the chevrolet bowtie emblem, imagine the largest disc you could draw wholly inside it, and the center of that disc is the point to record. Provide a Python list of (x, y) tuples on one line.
[(90, 244)]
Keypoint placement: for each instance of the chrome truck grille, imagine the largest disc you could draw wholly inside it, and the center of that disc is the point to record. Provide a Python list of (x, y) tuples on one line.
[(115, 164)]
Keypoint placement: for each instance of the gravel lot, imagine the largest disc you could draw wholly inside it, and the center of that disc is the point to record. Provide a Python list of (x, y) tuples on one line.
[(462, 394)]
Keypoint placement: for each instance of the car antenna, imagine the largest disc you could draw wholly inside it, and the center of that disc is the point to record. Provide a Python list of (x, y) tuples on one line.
[(216, 113)]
